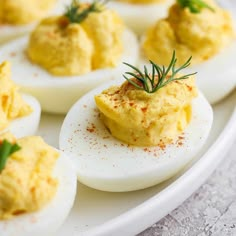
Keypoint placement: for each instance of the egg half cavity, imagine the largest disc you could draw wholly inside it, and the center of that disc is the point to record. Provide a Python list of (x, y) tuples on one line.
[(50, 218), (103, 162)]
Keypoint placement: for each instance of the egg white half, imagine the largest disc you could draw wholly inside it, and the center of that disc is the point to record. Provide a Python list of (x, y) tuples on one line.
[(8, 32), (26, 125), (139, 17), (105, 163), (50, 218), (58, 94), (216, 77)]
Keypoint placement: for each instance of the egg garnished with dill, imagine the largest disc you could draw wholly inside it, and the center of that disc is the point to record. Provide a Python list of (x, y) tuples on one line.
[(37, 186), (138, 134), (68, 55), (19, 114), (200, 29)]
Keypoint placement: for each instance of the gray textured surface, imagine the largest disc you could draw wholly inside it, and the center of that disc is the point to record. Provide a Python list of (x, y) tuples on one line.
[(209, 211)]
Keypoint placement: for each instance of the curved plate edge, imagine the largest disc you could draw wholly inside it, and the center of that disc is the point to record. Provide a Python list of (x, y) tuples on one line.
[(151, 211)]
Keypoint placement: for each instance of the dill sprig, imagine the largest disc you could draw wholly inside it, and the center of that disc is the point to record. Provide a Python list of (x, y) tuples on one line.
[(195, 6), (76, 14), (160, 76), (6, 149)]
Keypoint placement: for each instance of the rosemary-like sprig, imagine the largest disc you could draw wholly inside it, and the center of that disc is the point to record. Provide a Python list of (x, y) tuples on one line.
[(160, 76), (75, 14), (6, 149), (195, 6)]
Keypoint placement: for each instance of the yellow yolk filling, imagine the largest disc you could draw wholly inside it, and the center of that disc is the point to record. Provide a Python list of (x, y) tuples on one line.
[(12, 105), (147, 119), (26, 182), (22, 11), (65, 48), (199, 35)]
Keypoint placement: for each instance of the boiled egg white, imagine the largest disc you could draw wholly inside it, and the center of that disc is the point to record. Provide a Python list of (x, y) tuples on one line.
[(139, 17), (105, 163), (47, 220), (57, 94), (216, 77), (26, 125), (9, 32)]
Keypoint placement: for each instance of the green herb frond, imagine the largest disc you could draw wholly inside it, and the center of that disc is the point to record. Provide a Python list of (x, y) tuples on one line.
[(6, 149), (76, 14), (159, 77), (195, 6)]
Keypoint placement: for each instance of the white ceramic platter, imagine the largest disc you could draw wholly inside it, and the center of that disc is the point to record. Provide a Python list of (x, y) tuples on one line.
[(97, 213), (110, 214)]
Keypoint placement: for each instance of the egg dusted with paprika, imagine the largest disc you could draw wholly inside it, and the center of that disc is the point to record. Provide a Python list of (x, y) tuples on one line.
[(153, 125), (75, 44), (142, 119)]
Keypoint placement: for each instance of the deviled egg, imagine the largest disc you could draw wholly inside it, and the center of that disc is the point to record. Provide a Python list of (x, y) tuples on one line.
[(69, 55), (204, 31), (138, 134), (19, 114), (38, 187)]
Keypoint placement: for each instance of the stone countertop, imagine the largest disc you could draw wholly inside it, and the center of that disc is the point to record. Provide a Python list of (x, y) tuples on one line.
[(211, 210)]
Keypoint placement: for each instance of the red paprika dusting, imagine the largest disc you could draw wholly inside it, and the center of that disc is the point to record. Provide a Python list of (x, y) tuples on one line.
[(189, 88), (144, 109), (180, 141), (91, 128)]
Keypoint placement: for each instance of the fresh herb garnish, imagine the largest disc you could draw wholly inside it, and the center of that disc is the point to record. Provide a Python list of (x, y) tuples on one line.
[(195, 6), (76, 14), (160, 77), (6, 149)]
